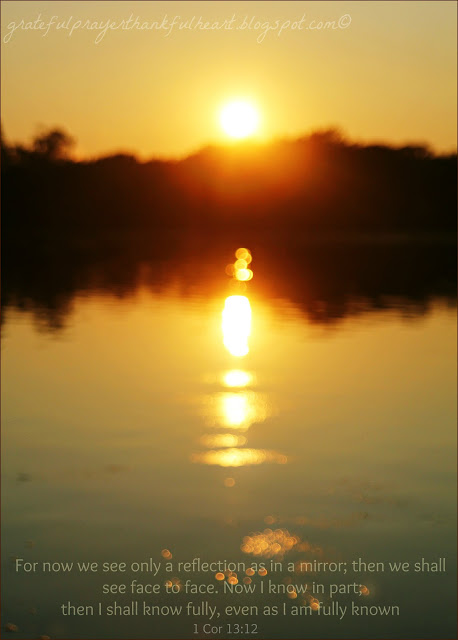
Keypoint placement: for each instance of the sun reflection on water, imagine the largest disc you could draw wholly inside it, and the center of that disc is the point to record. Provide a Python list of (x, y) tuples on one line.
[(236, 325), (237, 378), (235, 457), (222, 440), (237, 409), (240, 406)]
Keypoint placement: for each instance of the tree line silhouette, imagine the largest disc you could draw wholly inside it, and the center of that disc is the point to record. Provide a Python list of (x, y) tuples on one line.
[(318, 183)]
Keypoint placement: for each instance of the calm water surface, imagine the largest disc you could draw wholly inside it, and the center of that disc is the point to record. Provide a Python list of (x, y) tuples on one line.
[(150, 420)]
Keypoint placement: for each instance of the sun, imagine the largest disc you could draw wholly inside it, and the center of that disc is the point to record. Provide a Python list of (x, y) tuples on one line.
[(239, 119)]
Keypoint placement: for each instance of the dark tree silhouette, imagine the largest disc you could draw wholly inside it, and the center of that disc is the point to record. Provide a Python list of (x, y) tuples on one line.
[(53, 145), (321, 182)]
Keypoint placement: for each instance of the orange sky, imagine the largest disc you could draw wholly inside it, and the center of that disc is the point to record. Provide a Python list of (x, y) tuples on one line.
[(390, 75)]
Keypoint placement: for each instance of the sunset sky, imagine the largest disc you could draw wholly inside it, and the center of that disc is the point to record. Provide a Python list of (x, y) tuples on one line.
[(388, 76)]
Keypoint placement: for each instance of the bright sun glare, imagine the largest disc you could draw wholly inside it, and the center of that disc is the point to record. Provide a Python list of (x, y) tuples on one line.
[(239, 119)]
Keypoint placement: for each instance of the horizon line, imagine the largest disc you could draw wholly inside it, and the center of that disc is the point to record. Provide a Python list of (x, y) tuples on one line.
[(253, 141)]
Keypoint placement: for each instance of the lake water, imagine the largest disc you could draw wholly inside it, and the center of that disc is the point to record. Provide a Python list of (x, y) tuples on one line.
[(315, 420)]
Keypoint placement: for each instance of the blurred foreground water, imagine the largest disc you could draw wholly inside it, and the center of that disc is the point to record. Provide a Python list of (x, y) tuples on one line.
[(150, 402)]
